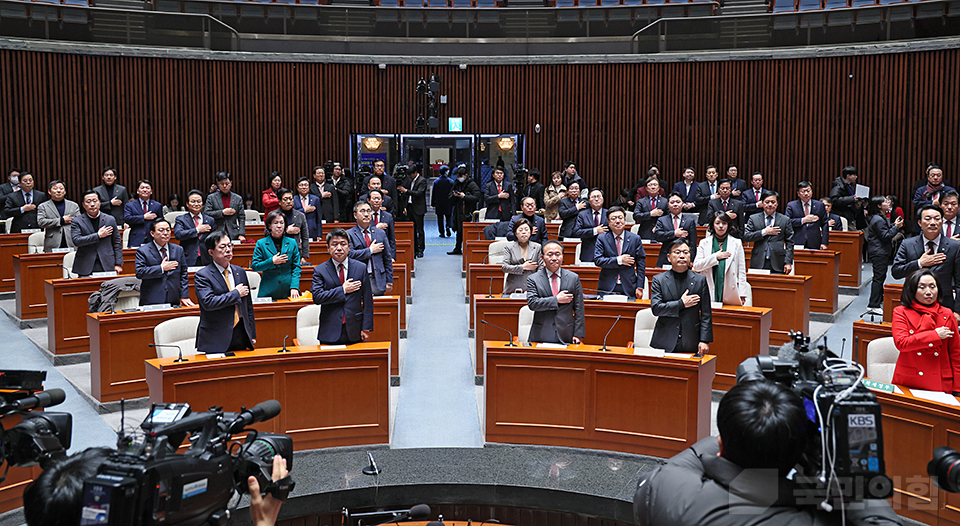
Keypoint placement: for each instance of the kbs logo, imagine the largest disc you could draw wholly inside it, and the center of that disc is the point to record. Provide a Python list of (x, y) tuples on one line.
[(861, 420)]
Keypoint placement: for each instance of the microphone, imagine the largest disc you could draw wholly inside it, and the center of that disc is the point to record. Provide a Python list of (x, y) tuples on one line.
[(485, 258), (604, 348), (417, 513), (263, 411), (48, 398), (600, 292), (372, 469), (492, 521), (284, 344), (490, 287), (510, 344), (69, 273), (180, 357)]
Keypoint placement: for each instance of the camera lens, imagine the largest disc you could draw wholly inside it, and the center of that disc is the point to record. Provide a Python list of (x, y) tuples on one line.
[(944, 470)]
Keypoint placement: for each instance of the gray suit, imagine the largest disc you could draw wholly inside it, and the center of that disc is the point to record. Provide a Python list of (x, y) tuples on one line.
[(49, 219), (513, 265), (781, 245), (679, 328), (234, 225), (553, 322), (91, 246)]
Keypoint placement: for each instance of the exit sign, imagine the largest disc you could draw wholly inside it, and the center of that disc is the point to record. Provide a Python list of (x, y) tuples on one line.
[(455, 124)]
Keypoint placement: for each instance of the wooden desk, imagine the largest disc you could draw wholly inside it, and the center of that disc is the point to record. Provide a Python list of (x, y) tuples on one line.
[(10, 245), (582, 397), (891, 299), (864, 333), (850, 247), (330, 398), (488, 279), (738, 332), (118, 342), (824, 267), (788, 297)]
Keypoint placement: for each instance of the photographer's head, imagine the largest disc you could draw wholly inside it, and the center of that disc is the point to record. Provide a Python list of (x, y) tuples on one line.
[(55, 498), (762, 425)]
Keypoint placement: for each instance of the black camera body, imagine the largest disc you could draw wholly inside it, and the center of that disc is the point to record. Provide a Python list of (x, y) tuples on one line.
[(149, 483), (841, 409), (39, 437)]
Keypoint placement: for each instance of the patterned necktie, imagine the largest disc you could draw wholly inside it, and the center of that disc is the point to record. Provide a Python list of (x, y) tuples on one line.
[(596, 219), (619, 246), (724, 206), (163, 252), (930, 246), (555, 284), (29, 197), (144, 207), (653, 203)]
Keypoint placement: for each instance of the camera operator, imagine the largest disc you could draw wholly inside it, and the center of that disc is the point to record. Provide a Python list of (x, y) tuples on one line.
[(55, 498), (740, 477)]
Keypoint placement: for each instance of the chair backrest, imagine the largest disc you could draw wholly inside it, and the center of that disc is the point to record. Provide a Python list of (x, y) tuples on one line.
[(495, 252), (68, 258), (525, 321), (35, 242), (126, 238), (576, 258), (251, 215), (170, 217), (483, 214), (749, 302), (181, 332), (882, 357), (308, 325), (643, 328), (253, 278), (629, 218), (843, 221), (9, 223), (127, 299), (635, 228)]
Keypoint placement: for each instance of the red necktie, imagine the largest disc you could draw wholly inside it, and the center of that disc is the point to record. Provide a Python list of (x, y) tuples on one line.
[(376, 218), (676, 222), (163, 252), (555, 284), (596, 219), (724, 206), (366, 237), (144, 207), (341, 282), (806, 209), (758, 197), (653, 203), (196, 224), (619, 246)]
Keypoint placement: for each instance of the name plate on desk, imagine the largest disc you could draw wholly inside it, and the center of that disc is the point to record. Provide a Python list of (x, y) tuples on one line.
[(64, 249), (30, 230), (267, 299), (254, 223), (551, 346), (110, 274), (518, 296), (236, 241), (332, 347), (159, 306), (877, 386), (193, 269), (649, 351)]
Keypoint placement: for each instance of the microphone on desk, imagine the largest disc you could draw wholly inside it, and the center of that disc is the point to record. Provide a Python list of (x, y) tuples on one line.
[(69, 273), (510, 344), (284, 344), (180, 357), (417, 513), (490, 287), (599, 293), (604, 348), (372, 469)]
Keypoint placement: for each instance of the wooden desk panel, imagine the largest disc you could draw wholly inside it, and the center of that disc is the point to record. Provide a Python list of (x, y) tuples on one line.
[(788, 297), (738, 332), (584, 398), (864, 333), (891, 299), (824, 267), (10, 245), (330, 398), (850, 247), (118, 342)]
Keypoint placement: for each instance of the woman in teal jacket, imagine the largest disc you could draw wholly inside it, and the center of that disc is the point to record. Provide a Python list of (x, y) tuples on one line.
[(277, 258)]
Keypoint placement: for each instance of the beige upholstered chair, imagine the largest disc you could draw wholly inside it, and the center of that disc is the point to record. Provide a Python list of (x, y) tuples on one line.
[(68, 258), (127, 299), (253, 279), (35, 242), (308, 325), (251, 216), (524, 324), (882, 357), (181, 332), (125, 238), (643, 329), (482, 214), (170, 217), (495, 252)]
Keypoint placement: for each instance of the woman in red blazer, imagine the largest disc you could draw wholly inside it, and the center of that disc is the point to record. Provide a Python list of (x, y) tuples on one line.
[(269, 198), (926, 336)]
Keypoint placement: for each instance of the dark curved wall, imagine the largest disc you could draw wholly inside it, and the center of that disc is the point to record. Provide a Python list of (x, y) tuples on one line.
[(177, 121)]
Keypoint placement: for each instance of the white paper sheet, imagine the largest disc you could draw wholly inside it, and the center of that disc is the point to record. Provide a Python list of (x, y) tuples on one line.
[(551, 346), (862, 191), (936, 396)]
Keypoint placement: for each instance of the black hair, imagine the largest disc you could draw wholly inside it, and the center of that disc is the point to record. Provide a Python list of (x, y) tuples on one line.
[(520, 222), (595, 189), (213, 239), (56, 181), (651, 178), (55, 498), (709, 166), (358, 204), (928, 206), (674, 194), (273, 175), (763, 425), (724, 181), (372, 177), (566, 164), (769, 193), (371, 192), (153, 224), (140, 183), (535, 174), (273, 214), (462, 171), (109, 169), (873, 206), (315, 168), (909, 293), (758, 172), (729, 166), (174, 196), (848, 170), (302, 179), (223, 175), (653, 173), (731, 227), (26, 173), (677, 242), (688, 168), (543, 248), (12, 171), (337, 232), (528, 197), (500, 168), (804, 184), (943, 195), (87, 192), (616, 208), (195, 192), (282, 192)]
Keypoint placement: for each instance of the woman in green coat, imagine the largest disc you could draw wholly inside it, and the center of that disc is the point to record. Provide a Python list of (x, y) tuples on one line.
[(277, 258)]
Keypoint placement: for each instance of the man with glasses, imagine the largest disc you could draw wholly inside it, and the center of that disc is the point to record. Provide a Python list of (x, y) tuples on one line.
[(162, 269), (370, 245), (191, 230), (226, 308), (97, 239)]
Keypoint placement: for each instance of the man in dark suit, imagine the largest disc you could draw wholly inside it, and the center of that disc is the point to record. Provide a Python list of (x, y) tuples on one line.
[(223, 293), (382, 220), (833, 220), (569, 207), (809, 219), (369, 245), (687, 188), (309, 205), (737, 184), (440, 200), (772, 236), (141, 213), (751, 197), (344, 187), (935, 251), (375, 184), (226, 208), (844, 197), (464, 196), (673, 226), (649, 209), (534, 188), (341, 286), (529, 212), (621, 258), (556, 298), (22, 205), (326, 191), (725, 203), (499, 197), (191, 230), (416, 198), (7, 188), (55, 216), (680, 300), (162, 269), (388, 183), (591, 222), (97, 238), (706, 190), (113, 196)]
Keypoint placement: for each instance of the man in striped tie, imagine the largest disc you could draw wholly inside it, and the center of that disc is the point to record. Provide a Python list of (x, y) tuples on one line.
[(226, 308)]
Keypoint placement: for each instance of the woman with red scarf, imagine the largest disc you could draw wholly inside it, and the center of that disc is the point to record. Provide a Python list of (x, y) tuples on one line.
[(925, 333)]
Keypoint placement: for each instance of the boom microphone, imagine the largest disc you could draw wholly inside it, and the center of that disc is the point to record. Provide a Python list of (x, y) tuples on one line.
[(263, 411), (604, 348), (510, 344)]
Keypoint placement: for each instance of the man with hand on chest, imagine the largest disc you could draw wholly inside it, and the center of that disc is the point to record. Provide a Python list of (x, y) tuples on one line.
[(162, 270)]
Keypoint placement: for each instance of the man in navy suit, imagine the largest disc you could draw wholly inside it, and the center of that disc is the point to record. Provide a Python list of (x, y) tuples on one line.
[(22, 205), (226, 308), (687, 188), (621, 258), (591, 222), (673, 226), (751, 198), (440, 199), (706, 190), (341, 286), (649, 209), (809, 219), (309, 205), (727, 204), (97, 239), (141, 213), (375, 185), (162, 269), (570, 206), (382, 219), (498, 197), (737, 185), (191, 230), (529, 208), (833, 220), (369, 245), (935, 251)]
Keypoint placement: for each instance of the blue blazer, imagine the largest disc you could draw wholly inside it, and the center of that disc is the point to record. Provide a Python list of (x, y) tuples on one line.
[(664, 234), (186, 233), (688, 197), (157, 286), (382, 261), (631, 277), (837, 224), (641, 214), (133, 216), (749, 198), (538, 222), (584, 230), (315, 218), (568, 213), (277, 280), (810, 235), (357, 307), (217, 305), (89, 245)]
